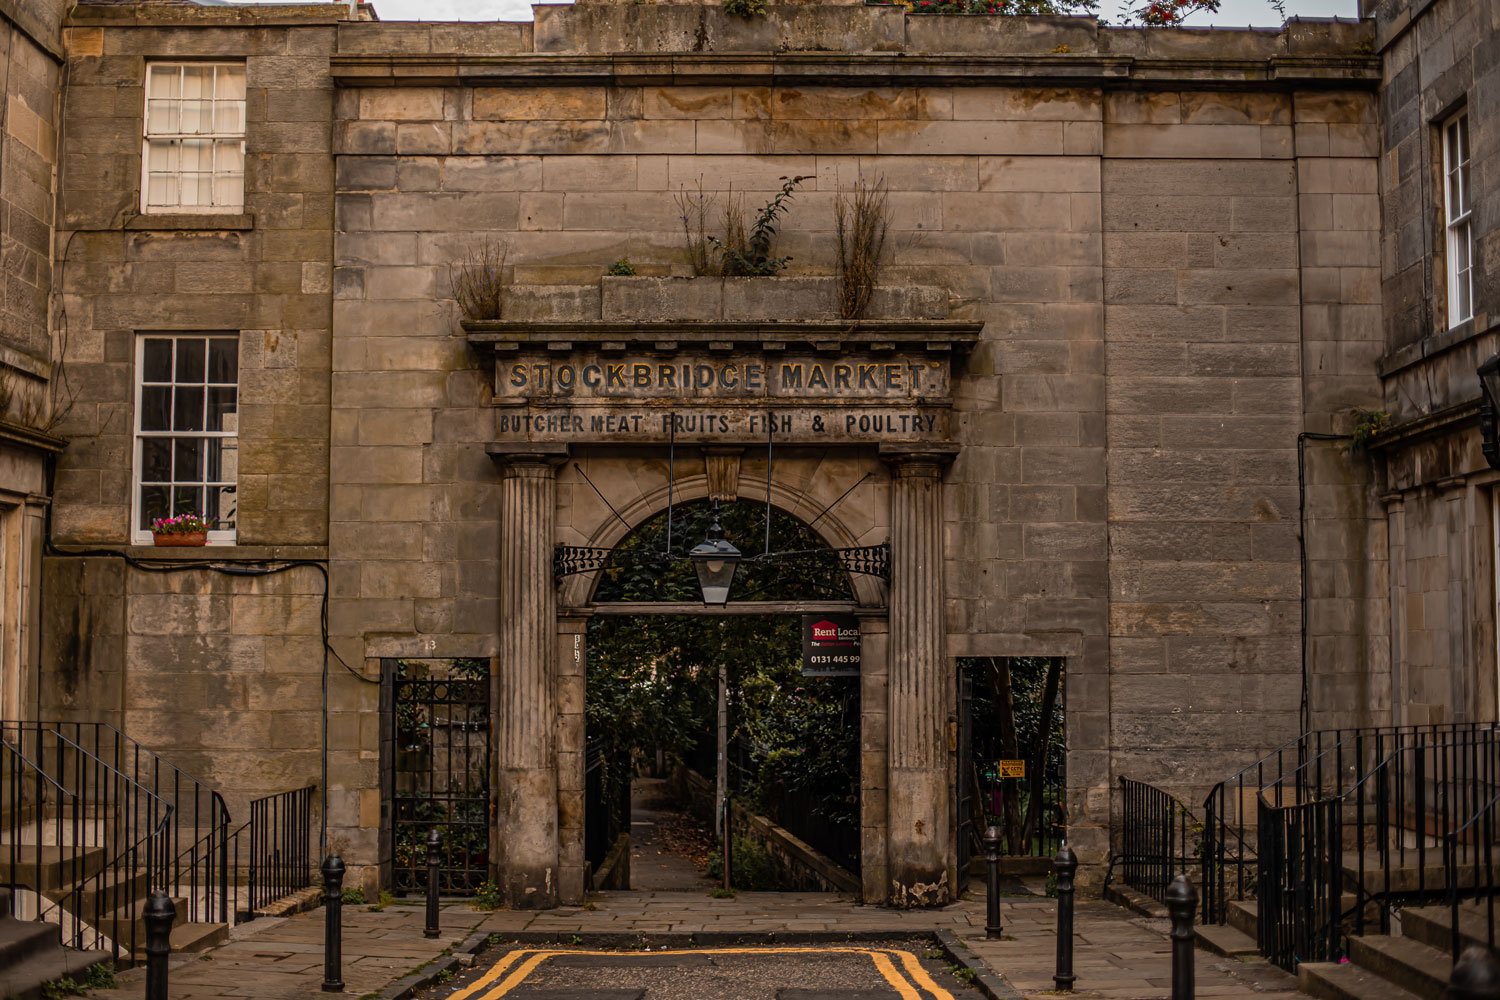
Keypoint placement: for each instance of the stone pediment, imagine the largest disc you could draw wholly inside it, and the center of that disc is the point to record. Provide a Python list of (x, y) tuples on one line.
[(874, 382)]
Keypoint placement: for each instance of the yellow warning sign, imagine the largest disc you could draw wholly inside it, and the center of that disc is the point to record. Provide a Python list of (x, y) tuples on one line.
[(1012, 769)]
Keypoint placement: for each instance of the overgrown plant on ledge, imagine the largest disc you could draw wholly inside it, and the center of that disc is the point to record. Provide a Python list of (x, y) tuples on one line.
[(747, 254), (479, 279), (1368, 425), (696, 211), (745, 8), (861, 221)]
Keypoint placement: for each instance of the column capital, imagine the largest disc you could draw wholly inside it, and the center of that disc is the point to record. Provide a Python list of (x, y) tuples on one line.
[(523, 458), (916, 461)]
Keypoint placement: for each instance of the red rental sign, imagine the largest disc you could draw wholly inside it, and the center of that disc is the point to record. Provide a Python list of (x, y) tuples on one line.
[(830, 646)]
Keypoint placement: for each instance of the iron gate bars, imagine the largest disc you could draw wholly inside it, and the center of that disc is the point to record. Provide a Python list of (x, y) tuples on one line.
[(440, 779), (1158, 839)]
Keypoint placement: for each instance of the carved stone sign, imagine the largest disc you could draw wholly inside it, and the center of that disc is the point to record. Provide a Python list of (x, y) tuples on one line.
[(586, 389)]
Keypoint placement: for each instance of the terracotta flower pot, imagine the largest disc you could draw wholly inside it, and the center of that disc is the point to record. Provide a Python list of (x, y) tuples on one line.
[(181, 538)]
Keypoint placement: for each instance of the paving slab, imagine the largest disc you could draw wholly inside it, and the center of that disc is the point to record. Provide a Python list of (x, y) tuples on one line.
[(1117, 954)]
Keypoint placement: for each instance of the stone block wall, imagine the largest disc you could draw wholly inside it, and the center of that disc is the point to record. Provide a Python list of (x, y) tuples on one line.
[(31, 65), (220, 673), (264, 274), (1176, 282), (1439, 490)]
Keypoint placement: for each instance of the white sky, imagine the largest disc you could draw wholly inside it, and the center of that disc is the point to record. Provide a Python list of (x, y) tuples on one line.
[(1233, 13)]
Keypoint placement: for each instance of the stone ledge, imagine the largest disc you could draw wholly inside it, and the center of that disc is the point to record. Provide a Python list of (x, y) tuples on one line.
[(204, 553), (174, 221), (1354, 70), (830, 336)]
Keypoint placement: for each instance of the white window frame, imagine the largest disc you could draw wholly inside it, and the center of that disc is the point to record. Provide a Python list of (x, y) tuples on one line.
[(214, 138), (142, 535), (1458, 205)]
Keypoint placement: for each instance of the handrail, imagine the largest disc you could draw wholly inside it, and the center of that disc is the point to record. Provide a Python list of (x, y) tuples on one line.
[(198, 863), (1450, 862), (1302, 876), (55, 725), (115, 822), (1227, 851), (1154, 834)]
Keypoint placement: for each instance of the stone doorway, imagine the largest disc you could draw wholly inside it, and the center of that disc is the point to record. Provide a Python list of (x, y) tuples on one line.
[(707, 704)]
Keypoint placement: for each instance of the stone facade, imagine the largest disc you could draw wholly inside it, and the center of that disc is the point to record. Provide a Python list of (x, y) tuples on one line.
[(31, 64), (1156, 257), (1439, 494)]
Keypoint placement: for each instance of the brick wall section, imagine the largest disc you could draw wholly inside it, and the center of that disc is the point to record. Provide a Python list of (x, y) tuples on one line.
[(219, 673)]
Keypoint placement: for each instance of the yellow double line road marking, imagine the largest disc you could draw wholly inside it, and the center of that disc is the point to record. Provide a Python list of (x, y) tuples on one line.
[(523, 962)]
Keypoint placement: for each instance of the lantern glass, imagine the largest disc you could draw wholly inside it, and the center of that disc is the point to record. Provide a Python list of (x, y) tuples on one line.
[(1489, 379), (715, 561)]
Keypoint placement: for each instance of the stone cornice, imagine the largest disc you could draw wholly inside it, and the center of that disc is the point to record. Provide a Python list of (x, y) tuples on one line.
[(854, 69), (19, 435), (874, 335)]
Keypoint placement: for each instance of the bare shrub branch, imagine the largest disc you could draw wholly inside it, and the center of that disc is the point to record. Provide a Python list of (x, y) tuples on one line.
[(479, 279), (861, 223), (695, 211)]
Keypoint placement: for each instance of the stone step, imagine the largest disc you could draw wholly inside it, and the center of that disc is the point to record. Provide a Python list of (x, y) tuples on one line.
[(118, 924), (22, 939), (1347, 981), (1407, 876), (23, 981), (1227, 941), (1431, 925), (1244, 916), (48, 868), (1412, 965)]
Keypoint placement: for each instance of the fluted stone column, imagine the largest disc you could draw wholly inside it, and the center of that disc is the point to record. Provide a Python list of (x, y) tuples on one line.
[(919, 806), (525, 688)]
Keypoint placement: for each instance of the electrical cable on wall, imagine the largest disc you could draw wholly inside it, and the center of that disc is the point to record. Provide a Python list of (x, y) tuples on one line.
[(241, 568)]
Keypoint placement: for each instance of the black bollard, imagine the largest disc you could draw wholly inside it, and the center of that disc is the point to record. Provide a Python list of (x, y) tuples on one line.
[(161, 914), (1066, 864), (1476, 975), (1182, 903), (434, 858), (333, 907), (992, 928)]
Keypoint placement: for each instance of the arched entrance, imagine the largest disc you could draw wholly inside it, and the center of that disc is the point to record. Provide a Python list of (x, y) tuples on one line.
[(705, 703), (598, 428)]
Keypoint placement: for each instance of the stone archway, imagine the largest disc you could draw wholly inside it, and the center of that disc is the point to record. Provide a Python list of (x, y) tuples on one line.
[(882, 402)]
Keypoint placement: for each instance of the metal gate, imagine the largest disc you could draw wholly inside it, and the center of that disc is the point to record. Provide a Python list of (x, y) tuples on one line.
[(966, 790), (441, 774)]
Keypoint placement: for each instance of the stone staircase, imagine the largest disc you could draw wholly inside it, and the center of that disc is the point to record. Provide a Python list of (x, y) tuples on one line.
[(1413, 962), (109, 903), (31, 953)]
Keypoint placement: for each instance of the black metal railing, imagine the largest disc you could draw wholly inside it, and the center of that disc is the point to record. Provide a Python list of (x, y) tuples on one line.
[(1337, 857), (1472, 844), (82, 841), (279, 840), (1315, 765), (1159, 839), (197, 849)]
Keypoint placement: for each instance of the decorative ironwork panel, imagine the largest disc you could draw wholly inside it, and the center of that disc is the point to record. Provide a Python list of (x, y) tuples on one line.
[(868, 560), (441, 777), (568, 560)]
